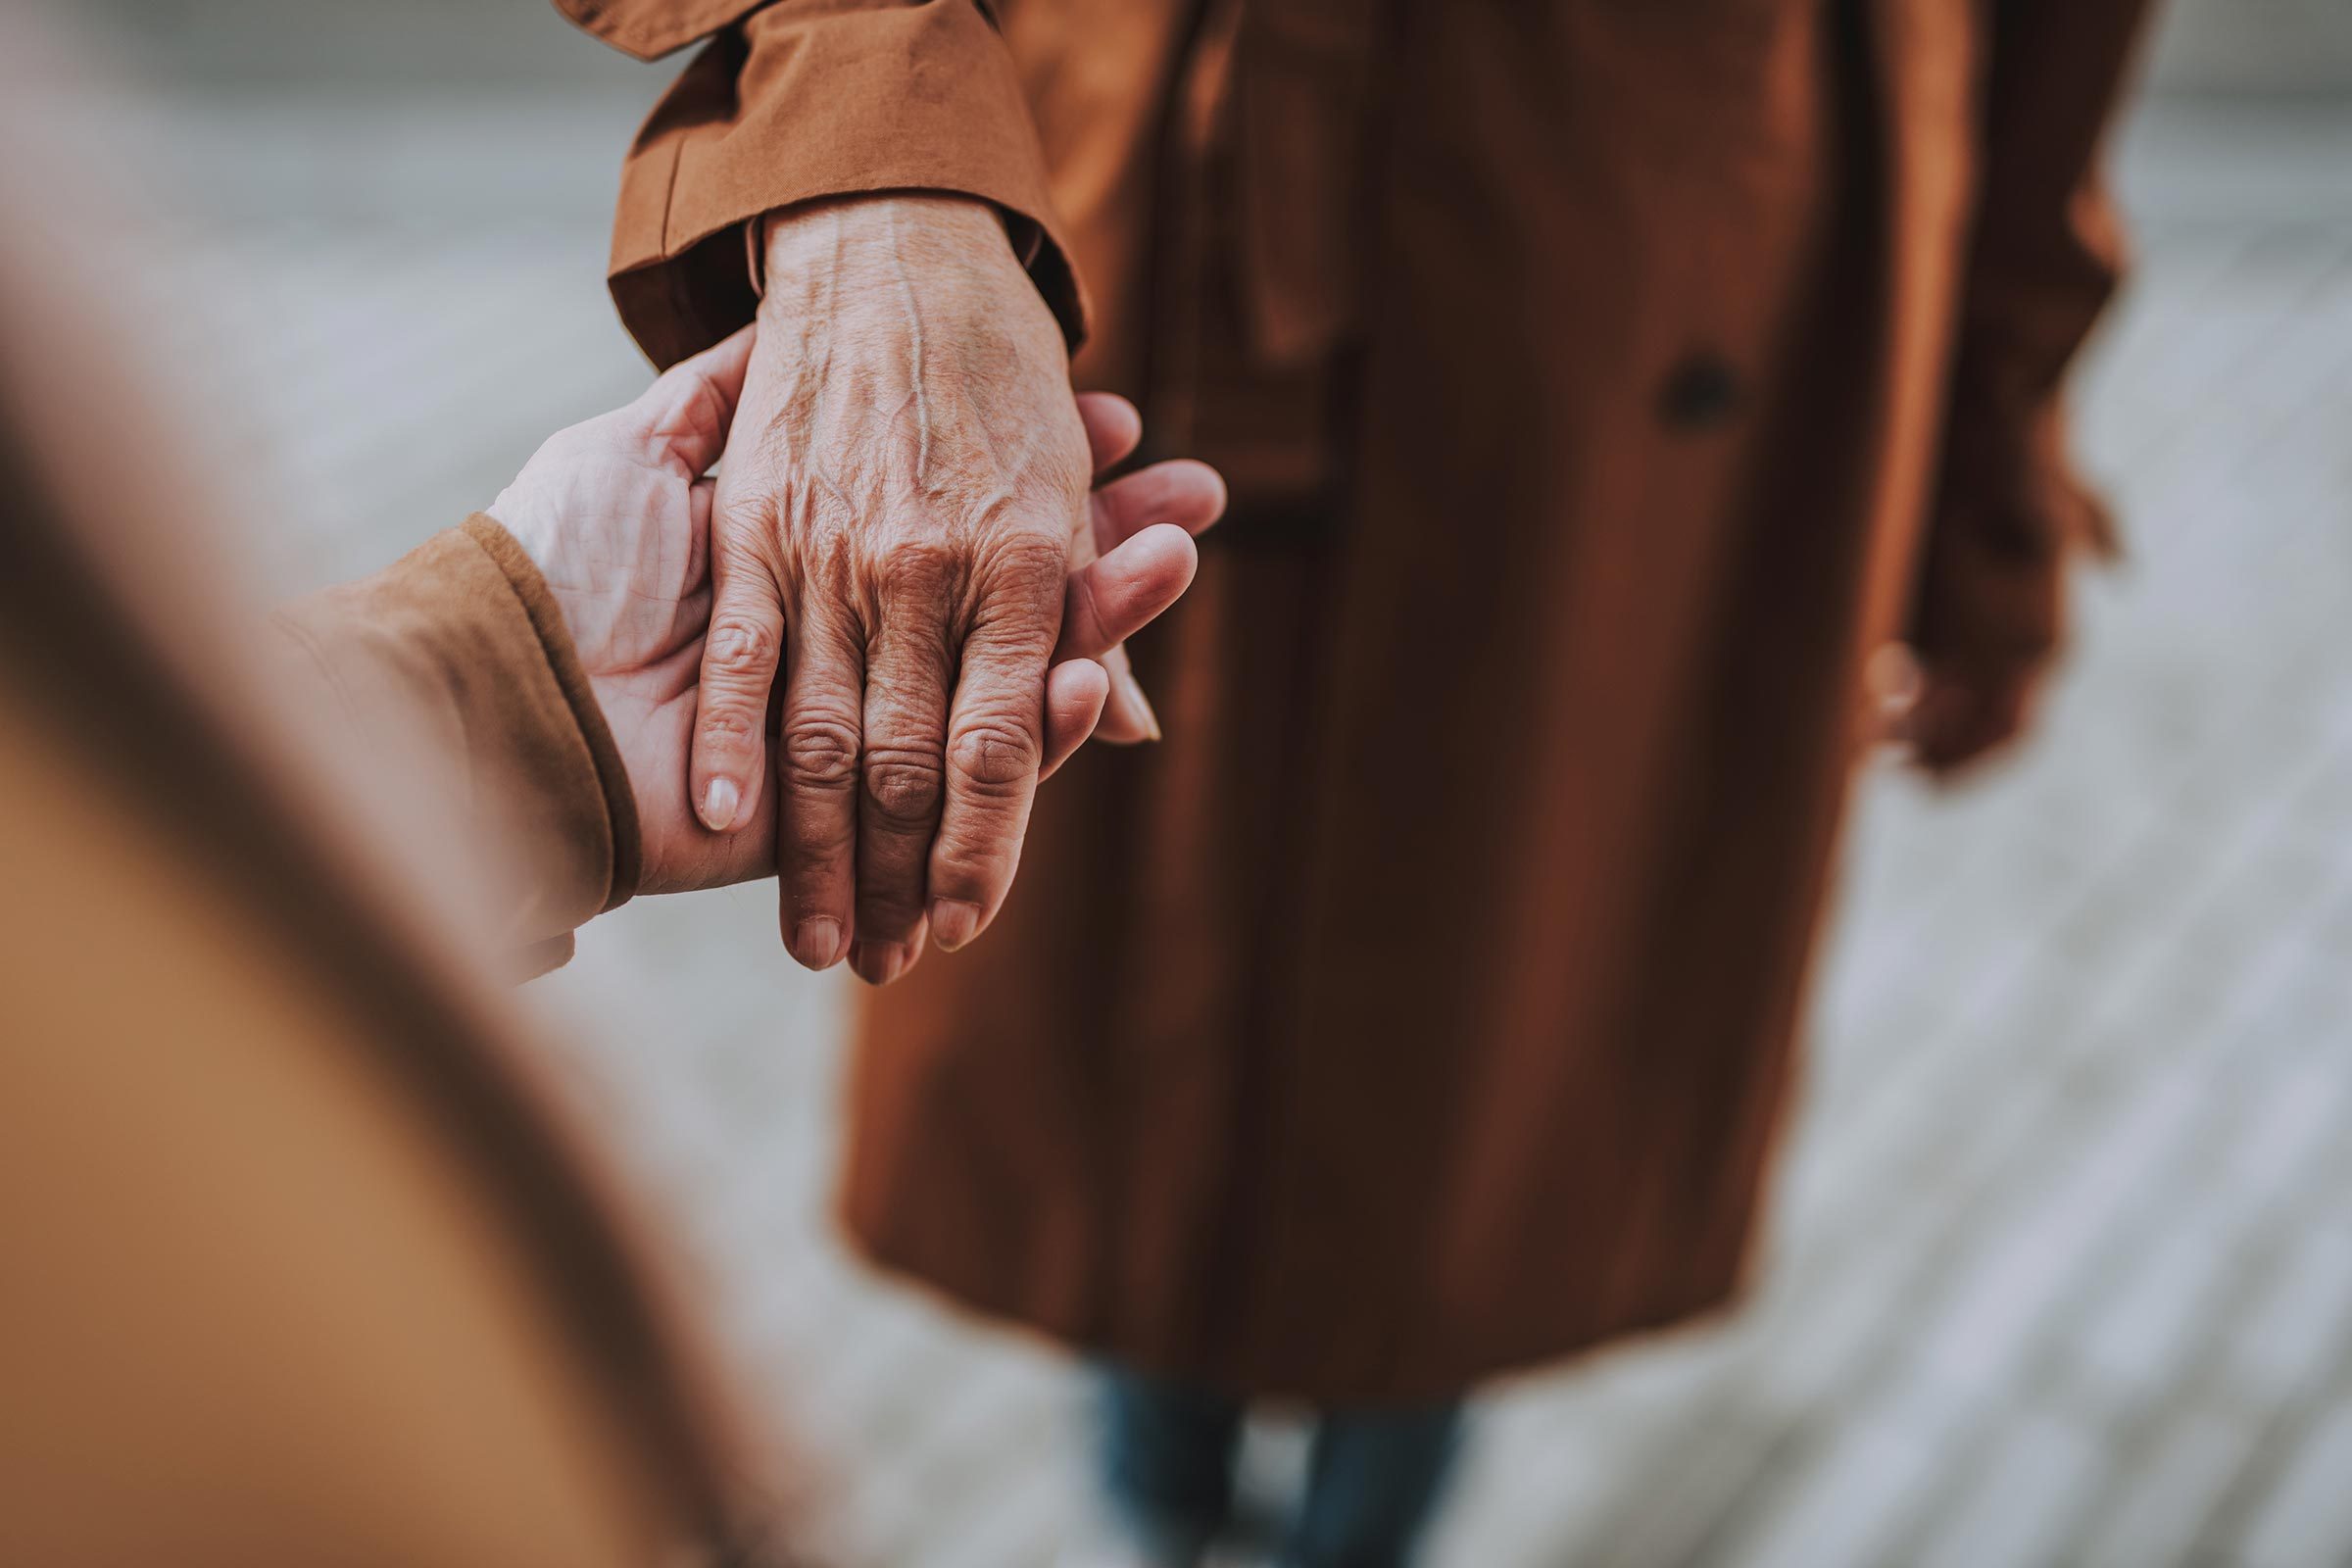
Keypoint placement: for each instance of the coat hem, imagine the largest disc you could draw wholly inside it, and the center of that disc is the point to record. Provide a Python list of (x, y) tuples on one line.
[(1438, 1379)]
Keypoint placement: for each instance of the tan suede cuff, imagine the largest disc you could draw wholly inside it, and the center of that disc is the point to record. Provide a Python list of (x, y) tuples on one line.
[(798, 103), (454, 674), (564, 662)]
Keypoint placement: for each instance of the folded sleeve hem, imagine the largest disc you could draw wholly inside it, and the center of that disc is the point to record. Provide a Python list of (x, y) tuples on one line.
[(546, 617), (649, 32), (793, 109)]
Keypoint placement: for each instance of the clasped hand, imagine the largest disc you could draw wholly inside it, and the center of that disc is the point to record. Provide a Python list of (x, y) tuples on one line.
[(903, 539)]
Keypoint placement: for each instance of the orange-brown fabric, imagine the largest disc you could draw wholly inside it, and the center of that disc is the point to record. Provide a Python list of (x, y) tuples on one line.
[(258, 1312), (868, 98), (306, 1261), (453, 666), (2045, 258), (1423, 1006)]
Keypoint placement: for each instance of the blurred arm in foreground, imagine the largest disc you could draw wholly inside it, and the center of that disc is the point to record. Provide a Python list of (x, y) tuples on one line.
[(308, 1257)]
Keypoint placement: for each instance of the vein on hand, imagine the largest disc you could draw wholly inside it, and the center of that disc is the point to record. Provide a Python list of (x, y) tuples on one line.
[(914, 349)]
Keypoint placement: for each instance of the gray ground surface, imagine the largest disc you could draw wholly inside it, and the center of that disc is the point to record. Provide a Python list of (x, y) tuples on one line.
[(2062, 1270)]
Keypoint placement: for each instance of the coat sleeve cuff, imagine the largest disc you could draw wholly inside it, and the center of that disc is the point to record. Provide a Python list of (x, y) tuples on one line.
[(801, 104), (452, 669), (618, 796)]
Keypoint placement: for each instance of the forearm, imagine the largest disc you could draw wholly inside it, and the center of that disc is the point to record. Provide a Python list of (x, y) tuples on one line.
[(827, 237)]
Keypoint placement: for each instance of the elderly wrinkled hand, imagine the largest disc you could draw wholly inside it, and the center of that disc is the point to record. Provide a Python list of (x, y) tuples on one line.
[(617, 514), (888, 548)]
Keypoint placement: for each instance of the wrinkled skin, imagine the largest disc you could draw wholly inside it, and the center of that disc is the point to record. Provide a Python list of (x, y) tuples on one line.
[(617, 511), (889, 553)]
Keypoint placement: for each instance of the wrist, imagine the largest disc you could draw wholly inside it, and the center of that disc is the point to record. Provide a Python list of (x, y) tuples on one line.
[(817, 237)]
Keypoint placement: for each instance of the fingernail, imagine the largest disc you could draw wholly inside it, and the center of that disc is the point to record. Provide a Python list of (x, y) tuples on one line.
[(817, 942), (954, 922), (1143, 705), (879, 964), (720, 798)]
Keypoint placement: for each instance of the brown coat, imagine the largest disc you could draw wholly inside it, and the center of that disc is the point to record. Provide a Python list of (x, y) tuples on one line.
[(1602, 382), (304, 1263)]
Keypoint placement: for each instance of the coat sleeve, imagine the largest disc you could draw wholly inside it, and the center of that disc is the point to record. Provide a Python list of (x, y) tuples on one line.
[(796, 101), (452, 669), (2047, 254)]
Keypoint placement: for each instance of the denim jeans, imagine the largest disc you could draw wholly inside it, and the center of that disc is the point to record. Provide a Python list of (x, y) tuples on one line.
[(1373, 1475)]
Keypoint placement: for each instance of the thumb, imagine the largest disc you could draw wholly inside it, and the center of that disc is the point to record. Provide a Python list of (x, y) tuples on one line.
[(690, 407)]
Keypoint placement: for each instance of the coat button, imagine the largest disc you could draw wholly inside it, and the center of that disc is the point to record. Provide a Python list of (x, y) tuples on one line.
[(1700, 394)]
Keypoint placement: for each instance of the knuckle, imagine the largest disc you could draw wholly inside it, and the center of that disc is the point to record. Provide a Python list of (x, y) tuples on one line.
[(906, 784), (741, 643), (1027, 554), (1023, 596), (919, 572), (743, 523), (994, 757), (819, 753)]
